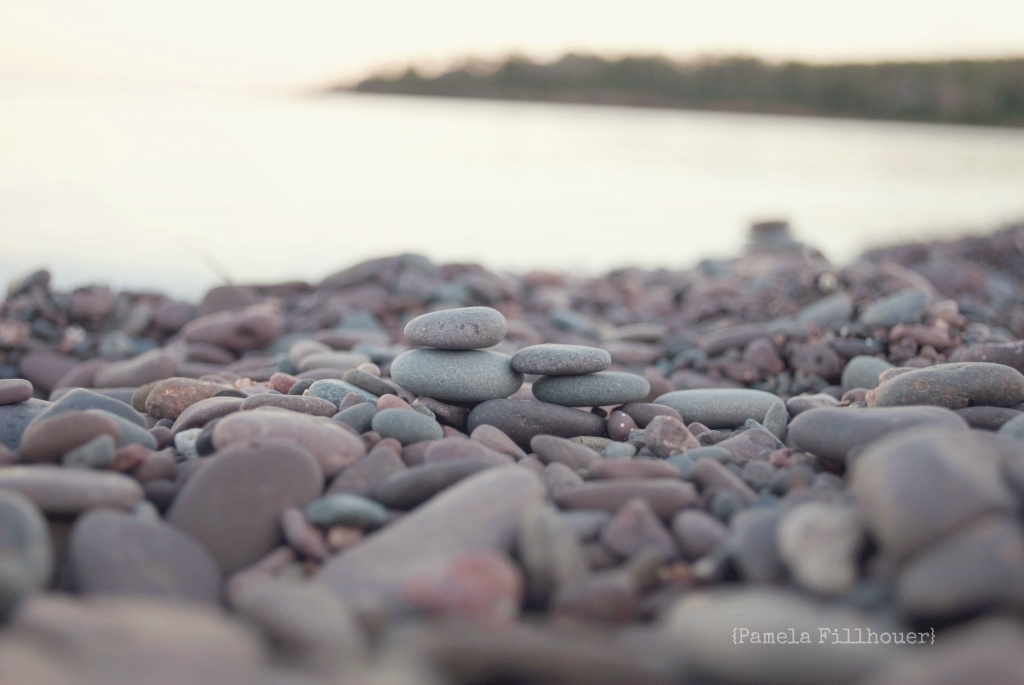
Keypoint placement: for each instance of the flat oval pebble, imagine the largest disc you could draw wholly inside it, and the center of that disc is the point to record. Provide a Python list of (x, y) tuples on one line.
[(71, 491), (552, 359), (169, 398), (333, 446), (550, 448), (15, 418), (334, 391), (955, 385), (112, 552), (522, 419), (406, 426), (459, 449), (145, 368), (232, 505), (26, 553), (202, 412), (348, 510), (862, 372), (14, 390), (314, 406), (456, 376), (368, 382), (721, 407), (481, 513), (81, 399), (592, 390), (666, 497), (466, 328), (411, 487), (833, 433), (46, 440)]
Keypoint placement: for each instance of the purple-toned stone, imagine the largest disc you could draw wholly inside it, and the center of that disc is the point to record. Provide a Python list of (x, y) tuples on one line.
[(314, 406), (466, 328), (666, 497), (14, 391), (71, 491), (635, 529), (520, 420), (561, 360)]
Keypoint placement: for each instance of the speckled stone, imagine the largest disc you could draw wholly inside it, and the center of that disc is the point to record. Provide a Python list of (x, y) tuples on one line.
[(721, 407), (406, 426), (592, 390), (170, 397), (71, 491), (955, 386), (666, 436), (14, 390), (231, 509), (522, 419), (112, 552), (456, 376), (466, 328), (81, 399), (561, 360)]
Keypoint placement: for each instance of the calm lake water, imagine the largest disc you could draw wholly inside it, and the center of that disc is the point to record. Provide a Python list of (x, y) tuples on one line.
[(164, 188)]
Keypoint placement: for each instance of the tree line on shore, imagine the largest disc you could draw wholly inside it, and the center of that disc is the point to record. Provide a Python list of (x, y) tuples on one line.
[(980, 92)]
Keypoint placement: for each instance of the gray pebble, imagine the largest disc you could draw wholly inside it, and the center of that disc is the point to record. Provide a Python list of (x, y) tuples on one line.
[(456, 376), (862, 372), (466, 328), (721, 408), (406, 426), (904, 306), (346, 510), (560, 360), (334, 391), (592, 390)]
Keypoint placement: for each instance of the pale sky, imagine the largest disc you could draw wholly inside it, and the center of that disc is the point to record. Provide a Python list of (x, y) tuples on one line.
[(309, 42)]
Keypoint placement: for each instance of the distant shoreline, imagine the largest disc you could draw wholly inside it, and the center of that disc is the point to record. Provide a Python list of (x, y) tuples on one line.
[(970, 92)]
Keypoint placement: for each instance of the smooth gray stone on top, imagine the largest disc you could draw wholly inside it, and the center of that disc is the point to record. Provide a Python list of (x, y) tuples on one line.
[(456, 375), (561, 360), (955, 386), (406, 426), (592, 390), (721, 407), (481, 513), (334, 391), (466, 328)]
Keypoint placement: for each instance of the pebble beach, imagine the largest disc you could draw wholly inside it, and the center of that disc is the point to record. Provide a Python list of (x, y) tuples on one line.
[(763, 468)]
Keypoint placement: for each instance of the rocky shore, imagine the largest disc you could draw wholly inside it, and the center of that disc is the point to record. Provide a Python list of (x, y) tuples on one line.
[(763, 469)]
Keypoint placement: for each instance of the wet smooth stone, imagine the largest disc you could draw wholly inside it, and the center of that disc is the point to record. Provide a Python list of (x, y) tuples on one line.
[(592, 390), (71, 491), (666, 497), (955, 385), (170, 397), (635, 528), (466, 328), (979, 567), (697, 533), (702, 626), (145, 368), (834, 433), (333, 360), (406, 426), (410, 488), (903, 306), (630, 468), (549, 552), (459, 449), (81, 399), (479, 514), (491, 437), (333, 446), (347, 510), (711, 477), (15, 418), (368, 382), (820, 543), (48, 439), (666, 436), (14, 390), (914, 487), (862, 372), (314, 406), (232, 505), (1008, 354), (204, 411), (520, 420), (112, 552), (334, 390), (560, 360), (987, 418), (237, 330), (456, 375), (26, 552), (721, 407), (363, 475), (549, 448)]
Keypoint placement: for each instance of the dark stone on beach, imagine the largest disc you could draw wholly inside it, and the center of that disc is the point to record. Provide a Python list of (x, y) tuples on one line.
[(987, 418), (916, 486), (170, 397), (903, 306), (635, 529), (549, 552), (979, 567), (71, 491), (374, 385), (236, 330), (666, 497), (480, 514), (721, 408), (46, 440), (112, 552), (334, 391), (560, 360), (359, 417), (333, 446), (523, 419), (456, 375), (347, 510), (228, 507), (314, 406), (592, 390), (640, 467), (666, 436), (862, 372), (620, 425), (147, 367), (26, 553), (833, 433), (697, 533), (98, 453), (955, 385), (549, 448), (81, 399), (411, 487), (14, 391), (466, 328), (406, 426)]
